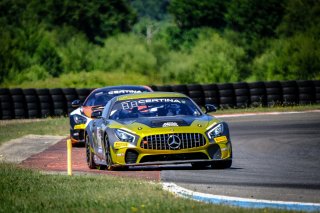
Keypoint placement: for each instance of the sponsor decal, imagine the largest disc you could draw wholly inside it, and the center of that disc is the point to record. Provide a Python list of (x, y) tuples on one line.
[(118, 145), (136, 103), (220, 139), (117, 92), (167, 124)]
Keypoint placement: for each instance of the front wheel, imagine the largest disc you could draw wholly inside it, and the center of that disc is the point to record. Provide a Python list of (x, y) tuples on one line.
[(89, 154)]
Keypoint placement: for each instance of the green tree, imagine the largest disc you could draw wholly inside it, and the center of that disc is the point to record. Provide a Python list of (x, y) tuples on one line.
[(193, 13), (255, 18)]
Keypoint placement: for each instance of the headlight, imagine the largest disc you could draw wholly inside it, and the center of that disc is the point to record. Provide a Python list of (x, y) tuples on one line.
[(216, 131), (124, 136), (78, 119)]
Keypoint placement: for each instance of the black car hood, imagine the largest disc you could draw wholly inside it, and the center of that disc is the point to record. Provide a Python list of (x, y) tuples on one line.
[(156, 122)]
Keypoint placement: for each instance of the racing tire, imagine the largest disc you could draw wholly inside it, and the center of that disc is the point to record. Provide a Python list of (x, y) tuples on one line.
[(224, 164), (89, 154)]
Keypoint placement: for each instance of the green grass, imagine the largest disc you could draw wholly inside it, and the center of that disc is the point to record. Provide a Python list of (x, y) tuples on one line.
[(17, 128), (23, 190)]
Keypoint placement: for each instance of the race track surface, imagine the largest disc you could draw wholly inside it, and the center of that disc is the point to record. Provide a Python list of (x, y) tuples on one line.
[(276, 157)]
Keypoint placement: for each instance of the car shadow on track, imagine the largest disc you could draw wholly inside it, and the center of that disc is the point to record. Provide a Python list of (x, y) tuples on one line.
[(173, 167)]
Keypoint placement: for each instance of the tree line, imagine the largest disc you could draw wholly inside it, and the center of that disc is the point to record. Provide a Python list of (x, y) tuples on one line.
[(165, 41)]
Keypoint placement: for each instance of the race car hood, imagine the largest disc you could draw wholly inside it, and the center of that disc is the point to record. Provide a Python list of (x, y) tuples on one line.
[(176, 121)]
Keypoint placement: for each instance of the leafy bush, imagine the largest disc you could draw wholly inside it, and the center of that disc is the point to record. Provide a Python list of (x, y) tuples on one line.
[(212, 59), (289, 59)]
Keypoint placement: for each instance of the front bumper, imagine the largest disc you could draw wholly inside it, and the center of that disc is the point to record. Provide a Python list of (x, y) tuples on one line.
[(125, 154), (77, 136)]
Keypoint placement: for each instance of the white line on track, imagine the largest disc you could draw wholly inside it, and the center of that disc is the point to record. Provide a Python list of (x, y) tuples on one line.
[(239, 202), (264, 113)]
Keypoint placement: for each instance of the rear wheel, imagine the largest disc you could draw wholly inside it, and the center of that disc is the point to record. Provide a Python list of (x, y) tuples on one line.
[(89, 154)]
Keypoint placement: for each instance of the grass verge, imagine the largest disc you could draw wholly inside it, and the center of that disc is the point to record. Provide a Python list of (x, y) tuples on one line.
[(12, 129), (23, 190)]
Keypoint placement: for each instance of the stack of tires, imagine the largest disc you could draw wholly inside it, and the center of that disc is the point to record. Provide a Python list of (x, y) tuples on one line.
[(290, 95), (59, 102), (317, 91), (19, 103), (182, 88), (258, 96), (70, 95), (306, 92), (211, 94), (45, 102), (83, 94), (196, 93), (242, 94), (32, 103), (274, 93), (6, 110), (164, 88), (226, 95)]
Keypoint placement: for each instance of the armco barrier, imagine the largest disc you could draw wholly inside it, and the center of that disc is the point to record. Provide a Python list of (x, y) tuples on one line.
[(34, 103)]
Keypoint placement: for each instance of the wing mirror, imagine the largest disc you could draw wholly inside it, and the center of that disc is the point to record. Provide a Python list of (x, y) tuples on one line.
[(96, 114), (76, 103), (210, 108)]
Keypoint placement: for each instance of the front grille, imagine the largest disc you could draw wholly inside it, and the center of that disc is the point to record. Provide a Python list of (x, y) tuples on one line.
[(162, 141)]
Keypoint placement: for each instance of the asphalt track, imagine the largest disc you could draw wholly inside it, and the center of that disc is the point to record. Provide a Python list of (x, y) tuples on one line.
[(276, 157)]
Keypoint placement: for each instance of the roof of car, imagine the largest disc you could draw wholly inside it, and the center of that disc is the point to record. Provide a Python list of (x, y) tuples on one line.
[(151, 95), (123, 87)]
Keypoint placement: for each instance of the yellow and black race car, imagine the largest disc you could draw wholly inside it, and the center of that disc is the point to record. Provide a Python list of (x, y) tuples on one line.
[(96, 100), (156, 128)]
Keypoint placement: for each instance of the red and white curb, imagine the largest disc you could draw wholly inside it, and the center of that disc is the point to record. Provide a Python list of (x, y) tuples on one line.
[(239, 202)]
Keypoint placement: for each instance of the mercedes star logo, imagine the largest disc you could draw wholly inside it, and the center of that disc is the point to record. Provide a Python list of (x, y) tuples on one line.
[(174, 142)]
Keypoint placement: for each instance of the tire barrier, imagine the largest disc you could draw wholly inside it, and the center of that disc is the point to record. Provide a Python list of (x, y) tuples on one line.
[(316, 85), (290, 94), (306, 92), (182, 88), (195, 92), (6, 109), (83, 93), (274, 93), (211, 94), (242, 94), (226, 95), (33, 103), (45, 102), (59, 102), (18, 103), (70, 94), (258, 94)]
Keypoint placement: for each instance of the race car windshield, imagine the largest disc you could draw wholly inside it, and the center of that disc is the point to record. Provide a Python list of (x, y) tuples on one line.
[(100, 98), (153, 107)]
